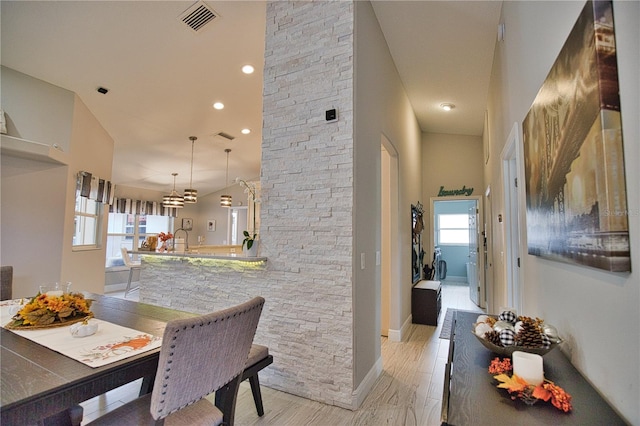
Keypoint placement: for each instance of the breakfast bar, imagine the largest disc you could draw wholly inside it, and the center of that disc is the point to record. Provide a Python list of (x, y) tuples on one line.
[(195, 282)]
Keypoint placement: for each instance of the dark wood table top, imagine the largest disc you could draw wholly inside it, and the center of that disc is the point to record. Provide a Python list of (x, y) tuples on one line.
[(474, 398), (36, 382)]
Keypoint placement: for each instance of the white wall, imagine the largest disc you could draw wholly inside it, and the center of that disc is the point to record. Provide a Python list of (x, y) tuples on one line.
[(381, 108), (38, 198), (439, 153), (208, 207), (36, 110), (596, 312), (91, 150)]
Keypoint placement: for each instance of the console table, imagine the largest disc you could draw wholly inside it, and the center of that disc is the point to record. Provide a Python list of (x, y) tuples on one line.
[(471, 396)]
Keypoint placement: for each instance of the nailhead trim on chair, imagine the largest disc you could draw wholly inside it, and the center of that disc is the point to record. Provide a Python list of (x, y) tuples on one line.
[(184, 328)]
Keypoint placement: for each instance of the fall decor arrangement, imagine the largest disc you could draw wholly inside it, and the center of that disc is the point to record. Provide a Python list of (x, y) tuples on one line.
[(519, 388), (46, 310), (510, 332), (164, 238)]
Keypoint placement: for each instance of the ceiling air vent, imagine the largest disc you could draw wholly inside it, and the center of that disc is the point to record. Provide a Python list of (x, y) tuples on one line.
[(224, 135), (197, 16)]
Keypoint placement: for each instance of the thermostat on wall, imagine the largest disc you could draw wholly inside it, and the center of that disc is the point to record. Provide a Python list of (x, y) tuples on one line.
[(331, 115)]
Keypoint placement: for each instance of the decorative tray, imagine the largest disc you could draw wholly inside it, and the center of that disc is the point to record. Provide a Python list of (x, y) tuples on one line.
[(508, 350), (54, 324)]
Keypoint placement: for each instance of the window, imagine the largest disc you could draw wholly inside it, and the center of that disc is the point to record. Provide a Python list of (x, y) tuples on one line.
[(452, 229), (87, 220), (130, 230)]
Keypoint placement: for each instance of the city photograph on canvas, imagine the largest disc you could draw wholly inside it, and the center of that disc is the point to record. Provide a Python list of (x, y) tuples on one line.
[(573, 151)]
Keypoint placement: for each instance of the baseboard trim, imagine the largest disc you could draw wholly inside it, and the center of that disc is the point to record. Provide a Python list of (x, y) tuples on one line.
[(396, 335), (361, 392), (112, 288)]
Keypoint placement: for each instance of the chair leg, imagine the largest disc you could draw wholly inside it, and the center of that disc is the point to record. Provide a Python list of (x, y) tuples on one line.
[(128, 289), (257, 395), (225, 400)]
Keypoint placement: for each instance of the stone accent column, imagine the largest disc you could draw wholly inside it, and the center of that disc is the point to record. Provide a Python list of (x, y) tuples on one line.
[(306, 216), (307, 193)]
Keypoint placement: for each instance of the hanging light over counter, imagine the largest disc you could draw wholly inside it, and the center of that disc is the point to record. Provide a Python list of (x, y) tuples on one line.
[(225, 200), (190, 194), (173, 200)]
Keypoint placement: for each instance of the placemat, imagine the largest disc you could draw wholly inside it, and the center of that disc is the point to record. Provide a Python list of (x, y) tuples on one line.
[(109, 344)]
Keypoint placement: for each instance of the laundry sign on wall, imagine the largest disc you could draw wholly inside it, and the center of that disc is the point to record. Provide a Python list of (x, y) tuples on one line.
[(452, 192)]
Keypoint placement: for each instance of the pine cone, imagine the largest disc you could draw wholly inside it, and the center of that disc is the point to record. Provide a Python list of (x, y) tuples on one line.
[(530, 335), (493, 337)]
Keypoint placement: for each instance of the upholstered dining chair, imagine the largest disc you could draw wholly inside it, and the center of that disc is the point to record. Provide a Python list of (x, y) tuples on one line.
[(133, 266), (6, 276), (198, 356)]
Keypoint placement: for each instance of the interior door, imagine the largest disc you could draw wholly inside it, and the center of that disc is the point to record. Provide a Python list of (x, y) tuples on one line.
[(472, 266)]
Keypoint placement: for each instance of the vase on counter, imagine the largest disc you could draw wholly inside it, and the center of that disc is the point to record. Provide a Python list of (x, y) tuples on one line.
[(253, 251)]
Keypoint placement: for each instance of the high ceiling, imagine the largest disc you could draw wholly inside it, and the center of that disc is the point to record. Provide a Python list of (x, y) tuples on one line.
[(163, 77)]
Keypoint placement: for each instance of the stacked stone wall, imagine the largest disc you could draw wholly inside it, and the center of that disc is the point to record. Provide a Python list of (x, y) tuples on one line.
[(306, 208)]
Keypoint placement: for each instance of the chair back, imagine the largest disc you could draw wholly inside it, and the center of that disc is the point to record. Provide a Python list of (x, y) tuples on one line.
[(6, 273), (127, 260), (200, 355)]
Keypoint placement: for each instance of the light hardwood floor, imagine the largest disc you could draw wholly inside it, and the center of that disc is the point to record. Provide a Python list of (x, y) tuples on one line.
[(408, 392)]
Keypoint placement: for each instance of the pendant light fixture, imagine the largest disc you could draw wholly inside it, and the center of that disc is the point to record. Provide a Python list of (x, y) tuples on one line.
[(225, 200), (190, 194), (173, 200)]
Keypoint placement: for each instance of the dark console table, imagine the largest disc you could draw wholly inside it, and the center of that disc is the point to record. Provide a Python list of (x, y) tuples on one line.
[(471, 396)]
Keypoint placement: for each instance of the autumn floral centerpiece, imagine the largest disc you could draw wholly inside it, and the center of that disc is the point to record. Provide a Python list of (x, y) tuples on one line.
[(520, 389), (48, 310)]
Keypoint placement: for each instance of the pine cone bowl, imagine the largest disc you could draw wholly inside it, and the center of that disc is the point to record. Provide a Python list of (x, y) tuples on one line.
[(508, 350), (508, 333)]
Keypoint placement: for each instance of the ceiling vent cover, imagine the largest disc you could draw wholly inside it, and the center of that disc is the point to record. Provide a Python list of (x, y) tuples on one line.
[(224, 135), (197, 16)]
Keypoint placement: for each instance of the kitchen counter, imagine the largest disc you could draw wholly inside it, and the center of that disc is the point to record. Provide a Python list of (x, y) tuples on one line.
[(196, 254), (194, 282)]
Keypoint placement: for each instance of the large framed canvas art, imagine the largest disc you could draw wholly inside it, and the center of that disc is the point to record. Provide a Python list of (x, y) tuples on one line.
[(574, 159)]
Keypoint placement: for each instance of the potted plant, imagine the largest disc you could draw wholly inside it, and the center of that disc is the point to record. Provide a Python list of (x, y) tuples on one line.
[(251, 243)]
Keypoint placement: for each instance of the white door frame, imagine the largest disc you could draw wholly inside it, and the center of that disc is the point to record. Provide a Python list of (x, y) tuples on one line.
[(478, 199), (391, 257), (487, 258), (511, 158)]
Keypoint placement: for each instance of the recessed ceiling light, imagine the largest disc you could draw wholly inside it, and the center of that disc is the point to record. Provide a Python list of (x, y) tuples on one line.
[(447, 106), (246, 131), (247, 69), (218, 105)]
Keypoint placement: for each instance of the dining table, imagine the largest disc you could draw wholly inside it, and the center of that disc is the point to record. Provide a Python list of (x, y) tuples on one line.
[(38, 383)]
